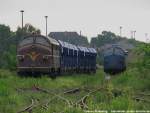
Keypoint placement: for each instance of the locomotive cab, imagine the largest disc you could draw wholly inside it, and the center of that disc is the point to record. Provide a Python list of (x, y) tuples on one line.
[(35, 54)]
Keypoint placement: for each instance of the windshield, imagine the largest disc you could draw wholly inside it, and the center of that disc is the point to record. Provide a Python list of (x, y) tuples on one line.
[(26, 41), (37, 40), (42, 40)]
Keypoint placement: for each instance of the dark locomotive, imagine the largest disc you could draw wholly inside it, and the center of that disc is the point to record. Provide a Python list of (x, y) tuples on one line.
[(114, 59), (40, 54)]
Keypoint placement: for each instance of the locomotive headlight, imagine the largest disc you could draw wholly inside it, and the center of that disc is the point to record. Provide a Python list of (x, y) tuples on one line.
[(20, 57)]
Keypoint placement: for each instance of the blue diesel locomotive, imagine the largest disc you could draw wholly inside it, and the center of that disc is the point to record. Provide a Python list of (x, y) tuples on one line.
[(114, 59)]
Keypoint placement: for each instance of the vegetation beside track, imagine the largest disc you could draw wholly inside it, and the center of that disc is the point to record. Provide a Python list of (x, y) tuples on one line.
[(127, 91)]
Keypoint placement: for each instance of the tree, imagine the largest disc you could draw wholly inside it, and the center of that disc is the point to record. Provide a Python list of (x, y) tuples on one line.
[(4, 31), (8, 42), (27, 30)]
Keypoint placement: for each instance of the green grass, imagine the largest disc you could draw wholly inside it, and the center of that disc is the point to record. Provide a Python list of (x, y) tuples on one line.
[(125, 86)]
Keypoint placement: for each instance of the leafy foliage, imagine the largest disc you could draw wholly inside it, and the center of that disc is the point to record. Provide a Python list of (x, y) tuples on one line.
[(144, 51), (104, 38), (27, 30), (8, 42)]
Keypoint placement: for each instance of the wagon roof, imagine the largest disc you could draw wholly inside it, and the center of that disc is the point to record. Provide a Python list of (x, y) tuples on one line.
[(67, 45), (81, 48), (92, 50), (63, 44), (73, 47)]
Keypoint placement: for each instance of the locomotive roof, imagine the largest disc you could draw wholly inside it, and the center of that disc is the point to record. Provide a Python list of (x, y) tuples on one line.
[(29, 39), (53, 41), (115, 49), (115, 46), (48, 39)]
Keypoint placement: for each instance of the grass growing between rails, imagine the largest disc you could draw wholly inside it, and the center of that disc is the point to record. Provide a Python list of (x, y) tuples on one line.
[(74, 94)]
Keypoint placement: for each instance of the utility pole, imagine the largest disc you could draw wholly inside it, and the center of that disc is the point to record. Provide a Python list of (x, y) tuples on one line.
[(134, 34), (147, 40), (80, 33), (22, 11), (46, 24), (131, 34), (120, 31)]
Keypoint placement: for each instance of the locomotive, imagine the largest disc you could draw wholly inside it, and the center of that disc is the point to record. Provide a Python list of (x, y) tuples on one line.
[(114, 59), (40, 54)]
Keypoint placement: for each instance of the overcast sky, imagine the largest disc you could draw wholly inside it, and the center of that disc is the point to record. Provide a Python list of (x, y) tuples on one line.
[(89, 16)]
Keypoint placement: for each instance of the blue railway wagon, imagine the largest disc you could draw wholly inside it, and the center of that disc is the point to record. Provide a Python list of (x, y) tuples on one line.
[(92, 59), (81, 54), (86, 59), (71, 56), (64, 55), (83, 58), (114, 59), (68, 56), (74, 57)]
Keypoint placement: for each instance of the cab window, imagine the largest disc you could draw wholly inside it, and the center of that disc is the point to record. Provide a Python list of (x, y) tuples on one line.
[(42, 41), (26, 41)]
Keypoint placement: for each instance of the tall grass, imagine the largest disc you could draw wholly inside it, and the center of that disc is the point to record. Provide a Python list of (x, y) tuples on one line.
[(129, 82)]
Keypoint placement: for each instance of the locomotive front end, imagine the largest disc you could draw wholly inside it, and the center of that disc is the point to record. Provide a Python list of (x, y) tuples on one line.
[(34, 55), (114, 59)]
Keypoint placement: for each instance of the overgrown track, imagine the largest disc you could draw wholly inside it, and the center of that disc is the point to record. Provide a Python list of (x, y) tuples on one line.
[(74, 94), (62, 95)]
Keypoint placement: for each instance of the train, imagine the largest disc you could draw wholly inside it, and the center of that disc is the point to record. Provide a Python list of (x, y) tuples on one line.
[(114, 59), (38, 54)]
